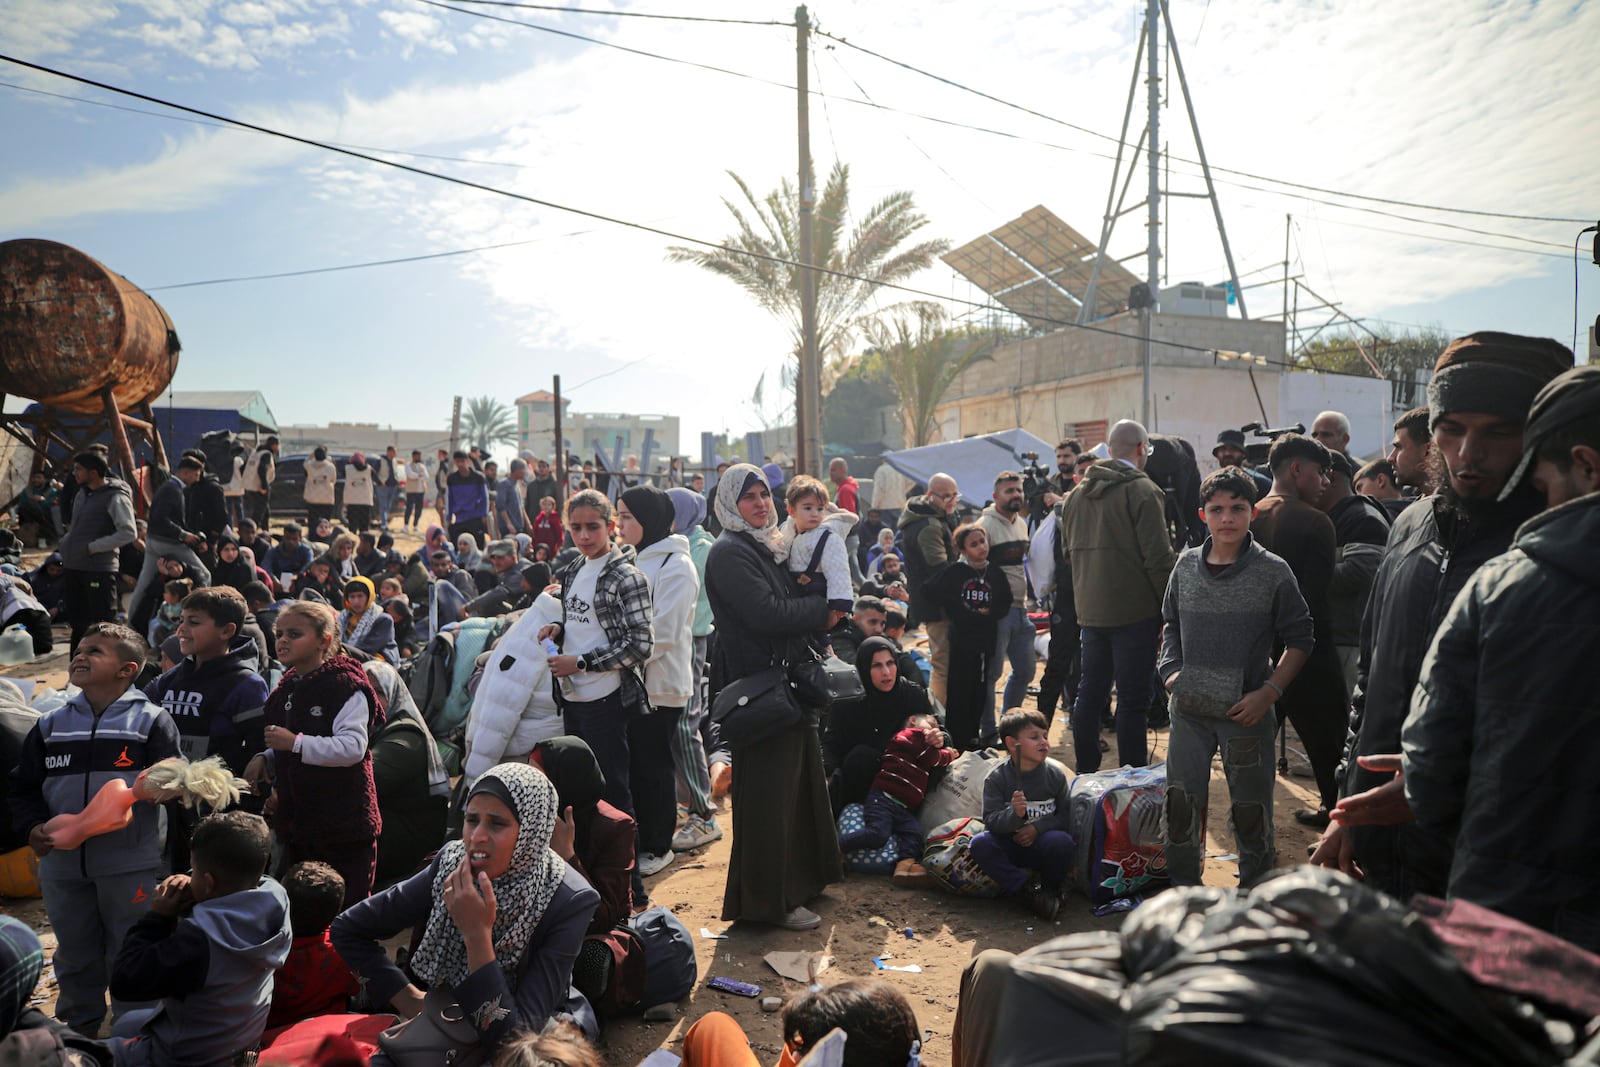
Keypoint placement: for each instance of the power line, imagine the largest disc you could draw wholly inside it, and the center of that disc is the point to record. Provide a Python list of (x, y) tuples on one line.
[(626, 14), (1225, 170), (224, 126), (539, 202), (868, 102)]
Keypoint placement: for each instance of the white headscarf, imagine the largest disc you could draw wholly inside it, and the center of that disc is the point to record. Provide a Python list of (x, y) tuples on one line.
[(521, 894), (730, 487)]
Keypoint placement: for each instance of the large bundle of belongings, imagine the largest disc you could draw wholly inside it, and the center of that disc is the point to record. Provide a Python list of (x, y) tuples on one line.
[(1309, 967)]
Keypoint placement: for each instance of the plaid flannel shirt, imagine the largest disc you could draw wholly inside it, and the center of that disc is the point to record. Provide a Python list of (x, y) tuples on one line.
[(624, 610)]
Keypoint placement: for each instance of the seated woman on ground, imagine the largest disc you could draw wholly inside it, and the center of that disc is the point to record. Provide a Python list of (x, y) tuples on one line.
[(598, 841), (504, 917)]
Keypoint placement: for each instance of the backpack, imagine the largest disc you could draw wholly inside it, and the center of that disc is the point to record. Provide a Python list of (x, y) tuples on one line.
[(670, 967)]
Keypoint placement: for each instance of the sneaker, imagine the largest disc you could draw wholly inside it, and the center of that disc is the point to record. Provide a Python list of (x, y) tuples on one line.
[(1044, 900), (650, 863), (910, 874), (721, 780), (696, 832), (801, 919)]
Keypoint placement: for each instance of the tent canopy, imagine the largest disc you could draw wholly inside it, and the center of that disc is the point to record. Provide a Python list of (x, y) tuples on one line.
[(972, 462)]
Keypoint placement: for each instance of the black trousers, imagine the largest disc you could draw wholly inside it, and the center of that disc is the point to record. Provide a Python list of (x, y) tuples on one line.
[(651, 777), (258, 508), (90, 597), (478, 528), (1318, 707), (967, 688), (1060, 676)]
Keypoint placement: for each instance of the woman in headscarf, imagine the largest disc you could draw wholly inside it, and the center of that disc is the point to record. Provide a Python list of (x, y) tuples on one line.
[(468, 558), (231, 567), (503, 917), (644, 520), (21, 963), (784, 846), (598, 841), (363, 624), (412, 783), (858, 732), (689, 741), (434, 539), (884, 547)]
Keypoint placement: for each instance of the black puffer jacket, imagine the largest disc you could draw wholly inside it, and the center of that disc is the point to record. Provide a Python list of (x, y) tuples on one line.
[(1432, 553), (1504, 735)]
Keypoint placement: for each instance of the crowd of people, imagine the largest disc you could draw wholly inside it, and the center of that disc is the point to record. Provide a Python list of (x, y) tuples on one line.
[(604, 675)]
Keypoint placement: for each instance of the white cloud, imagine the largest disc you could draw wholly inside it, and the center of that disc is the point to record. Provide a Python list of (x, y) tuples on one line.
[(417, 28)]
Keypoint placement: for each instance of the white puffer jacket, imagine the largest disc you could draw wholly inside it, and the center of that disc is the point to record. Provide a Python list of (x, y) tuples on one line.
[(515, 705), (675, 592)]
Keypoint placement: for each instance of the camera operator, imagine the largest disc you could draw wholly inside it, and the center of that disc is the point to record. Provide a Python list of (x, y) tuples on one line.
[(1045, 492), (1230, 452)]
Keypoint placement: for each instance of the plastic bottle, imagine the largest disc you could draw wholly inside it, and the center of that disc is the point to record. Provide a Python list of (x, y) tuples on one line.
[(16, 646), (553, 649)]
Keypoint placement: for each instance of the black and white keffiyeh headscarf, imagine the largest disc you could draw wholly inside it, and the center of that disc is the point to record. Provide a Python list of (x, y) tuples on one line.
[(521, 894)]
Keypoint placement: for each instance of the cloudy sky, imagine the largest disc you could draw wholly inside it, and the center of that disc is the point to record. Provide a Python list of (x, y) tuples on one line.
[(1472, 104)]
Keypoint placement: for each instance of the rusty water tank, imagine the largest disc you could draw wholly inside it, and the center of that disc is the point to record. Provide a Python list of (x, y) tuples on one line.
[(69, 327)]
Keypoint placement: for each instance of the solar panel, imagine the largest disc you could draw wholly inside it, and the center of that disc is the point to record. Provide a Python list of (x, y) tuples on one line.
[(1038, 267)]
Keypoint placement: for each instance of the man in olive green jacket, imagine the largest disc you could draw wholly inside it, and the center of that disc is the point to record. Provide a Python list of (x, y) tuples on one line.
[(1114, 529)]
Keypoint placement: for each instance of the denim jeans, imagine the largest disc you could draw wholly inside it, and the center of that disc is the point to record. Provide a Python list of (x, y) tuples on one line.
[(1014, 642), (1128, 655), (1248, 765)]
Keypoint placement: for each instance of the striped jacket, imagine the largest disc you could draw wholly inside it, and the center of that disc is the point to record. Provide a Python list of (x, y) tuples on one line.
[(68, 755)]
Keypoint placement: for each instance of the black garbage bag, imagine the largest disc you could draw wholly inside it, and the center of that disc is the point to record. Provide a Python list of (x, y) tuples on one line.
[(1310, 968), (1063, 1005)]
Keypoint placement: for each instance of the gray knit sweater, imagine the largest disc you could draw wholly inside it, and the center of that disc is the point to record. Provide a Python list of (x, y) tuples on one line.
[(1219, 629)]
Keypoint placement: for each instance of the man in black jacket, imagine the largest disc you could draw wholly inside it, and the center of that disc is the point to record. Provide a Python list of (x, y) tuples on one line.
[(205, 505), (102, 525), (1482, 387), (169, 536), (1503, 735)]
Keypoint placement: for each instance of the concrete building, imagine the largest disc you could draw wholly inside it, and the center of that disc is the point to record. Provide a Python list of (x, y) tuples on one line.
[(343, 438), (583, 432), (1077, 382)]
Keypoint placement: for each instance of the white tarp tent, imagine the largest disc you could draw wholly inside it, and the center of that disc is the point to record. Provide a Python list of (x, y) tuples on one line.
[(972, 462)]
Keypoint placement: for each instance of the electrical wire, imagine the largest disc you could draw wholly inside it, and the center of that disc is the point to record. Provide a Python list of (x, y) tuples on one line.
[(1224, 170), (1576, 241), (627, 14), (868, 102), (582, 212), (232, 129)]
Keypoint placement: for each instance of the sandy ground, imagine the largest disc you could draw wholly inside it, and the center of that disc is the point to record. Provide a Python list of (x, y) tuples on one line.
[(862, 917)]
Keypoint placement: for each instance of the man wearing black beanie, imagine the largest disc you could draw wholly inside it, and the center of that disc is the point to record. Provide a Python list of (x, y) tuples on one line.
[(1482, 387)]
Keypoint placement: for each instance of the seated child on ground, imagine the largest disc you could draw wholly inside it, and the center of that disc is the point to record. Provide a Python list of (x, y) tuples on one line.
[(896, 794), (208, 947), (314, 981), (164, 623), (1024, 816), (95, 892), (812, 539)]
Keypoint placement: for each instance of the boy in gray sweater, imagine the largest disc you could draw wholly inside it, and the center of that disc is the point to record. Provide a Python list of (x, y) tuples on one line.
[(1025, 816), (1226, 604)]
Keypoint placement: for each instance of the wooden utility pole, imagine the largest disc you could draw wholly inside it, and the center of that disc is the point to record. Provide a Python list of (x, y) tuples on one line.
[(455, 427), (561, 453), (808, 386)]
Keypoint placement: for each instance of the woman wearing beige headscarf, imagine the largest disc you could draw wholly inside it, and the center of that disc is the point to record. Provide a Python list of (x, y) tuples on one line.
[(784, 846)]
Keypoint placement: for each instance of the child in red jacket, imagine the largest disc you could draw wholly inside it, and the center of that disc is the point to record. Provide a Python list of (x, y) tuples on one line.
[(314, 980), (896, 794)]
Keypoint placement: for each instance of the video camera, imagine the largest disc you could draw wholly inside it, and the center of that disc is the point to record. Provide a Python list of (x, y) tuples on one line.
[(1034, 476), (1256, 453)]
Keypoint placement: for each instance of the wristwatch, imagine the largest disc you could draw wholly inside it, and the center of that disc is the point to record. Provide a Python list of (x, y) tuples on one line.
[(583, 663)]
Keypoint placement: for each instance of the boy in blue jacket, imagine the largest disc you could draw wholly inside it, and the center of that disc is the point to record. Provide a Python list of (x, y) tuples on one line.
[(208, 947), (95, 892)]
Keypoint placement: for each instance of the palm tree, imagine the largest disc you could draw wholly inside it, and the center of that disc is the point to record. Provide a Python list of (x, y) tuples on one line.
[(924, 357), (864, 256), (488, 422)]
